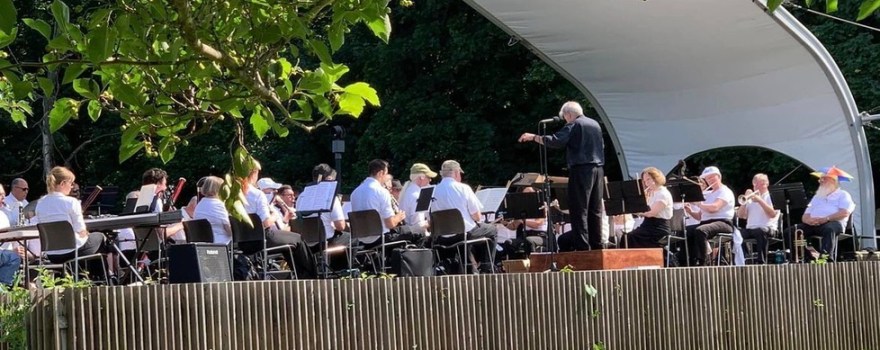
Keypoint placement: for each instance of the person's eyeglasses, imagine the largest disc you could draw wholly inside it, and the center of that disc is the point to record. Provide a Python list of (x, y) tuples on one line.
[(23, 188)]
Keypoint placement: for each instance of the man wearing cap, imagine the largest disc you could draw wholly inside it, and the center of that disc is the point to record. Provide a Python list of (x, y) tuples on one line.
[(420, 176), (371, 194), (828, 211), (715, 214), (451, 193), (585, 156)]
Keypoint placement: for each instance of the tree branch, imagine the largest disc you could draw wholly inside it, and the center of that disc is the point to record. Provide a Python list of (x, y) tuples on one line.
[(83, 145)]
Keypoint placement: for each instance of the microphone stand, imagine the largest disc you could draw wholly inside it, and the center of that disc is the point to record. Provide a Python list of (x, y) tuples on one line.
[(550, 244)]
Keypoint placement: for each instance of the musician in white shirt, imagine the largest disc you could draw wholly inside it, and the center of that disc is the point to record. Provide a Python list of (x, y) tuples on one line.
[(451, 193), (420, 176), (827, 214), (58, 206), (716, 215), (16, 200), (656, 223), (10, 254), (371, 194), (759, 214), (334, 221), (211, 208)]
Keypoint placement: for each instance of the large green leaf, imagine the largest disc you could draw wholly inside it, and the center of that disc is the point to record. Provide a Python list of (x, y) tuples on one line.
[(868, 7), (259, 123), (365, 91), (40, 26), (127, 150), (72, 72), (88, 88), (7, 38), (831, 6), (321, 51), (101, 43), (46, 85), (381, 27), (125, 93), (61, 13), (8, 16), (167, 149), (772, 5), (94, 109), (62, 112), (351, 104)]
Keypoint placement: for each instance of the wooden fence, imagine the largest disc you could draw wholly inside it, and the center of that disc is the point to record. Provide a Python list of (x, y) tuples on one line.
[(831, 306)]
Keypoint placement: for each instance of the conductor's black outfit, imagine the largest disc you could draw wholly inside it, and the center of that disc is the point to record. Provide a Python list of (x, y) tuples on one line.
[(585, 155)]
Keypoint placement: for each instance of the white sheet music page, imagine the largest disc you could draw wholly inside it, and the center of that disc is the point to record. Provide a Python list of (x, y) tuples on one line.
[(491, 198), (145, 196), (317, 197)]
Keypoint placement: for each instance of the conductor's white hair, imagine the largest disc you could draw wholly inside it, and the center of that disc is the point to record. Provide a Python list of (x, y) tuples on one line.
[(571, 107)]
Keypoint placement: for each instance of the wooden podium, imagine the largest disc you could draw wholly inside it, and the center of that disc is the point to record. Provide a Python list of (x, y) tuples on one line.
[(605, 259)]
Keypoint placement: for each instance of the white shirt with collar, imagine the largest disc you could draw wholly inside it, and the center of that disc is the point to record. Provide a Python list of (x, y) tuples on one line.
[(820, 207), (370, 194), (55, 206), (257, 203), (213, 209), (726, 212), (12, 206), (409, 199), (755, 215), (451, 194)]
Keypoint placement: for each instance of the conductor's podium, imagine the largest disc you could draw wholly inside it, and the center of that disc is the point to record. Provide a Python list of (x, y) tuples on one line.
[(605, 259)]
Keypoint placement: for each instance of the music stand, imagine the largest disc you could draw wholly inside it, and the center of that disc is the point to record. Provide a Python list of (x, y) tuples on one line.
[(524, 205), (686, 192), (794, 196), (318, 198), (624, 197), (426, 196)]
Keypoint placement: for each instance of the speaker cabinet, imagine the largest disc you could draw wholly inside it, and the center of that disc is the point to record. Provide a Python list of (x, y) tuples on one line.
[(412, 262), (198, 262)]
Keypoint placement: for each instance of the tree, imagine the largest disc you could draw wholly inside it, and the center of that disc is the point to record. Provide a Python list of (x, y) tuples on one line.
[(173, 70), (866, 9)]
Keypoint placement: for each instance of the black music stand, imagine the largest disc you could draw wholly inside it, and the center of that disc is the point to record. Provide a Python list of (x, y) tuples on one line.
[(624, 197), (524, 205), (426, 196), (685, 192), (318, 198), (794, 196)]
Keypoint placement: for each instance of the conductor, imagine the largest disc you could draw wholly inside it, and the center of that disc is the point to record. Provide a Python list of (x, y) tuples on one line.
[(585, 155)]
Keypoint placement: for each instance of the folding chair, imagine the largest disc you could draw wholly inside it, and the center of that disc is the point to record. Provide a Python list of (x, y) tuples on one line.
[(244, 233), (198, 231), (365, 224), (314, 234), (676, 224), (449, 222), (59, 235)]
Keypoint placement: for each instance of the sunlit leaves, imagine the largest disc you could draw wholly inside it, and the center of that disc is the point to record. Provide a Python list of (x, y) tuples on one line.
[(830, 6), (94, 109), (381, 27), (101, 43), (62, 112), (365, 91), (868, 7), (772, 5), (8, 19), (40, 26), (258, 122), (87, 88)]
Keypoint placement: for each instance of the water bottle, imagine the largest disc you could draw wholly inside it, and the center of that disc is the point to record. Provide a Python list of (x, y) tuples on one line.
[(778, 257)]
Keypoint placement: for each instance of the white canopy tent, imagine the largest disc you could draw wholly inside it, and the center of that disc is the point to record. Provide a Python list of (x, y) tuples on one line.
[(676, 77)]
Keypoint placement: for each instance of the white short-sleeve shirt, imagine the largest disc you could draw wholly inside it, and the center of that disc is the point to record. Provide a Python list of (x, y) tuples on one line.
[(662, 195), (409, 198), (56, 206), (451, 194), (371, 195), (824, 206), (756, 217), (257, 203), (726, 212), (214, 210)]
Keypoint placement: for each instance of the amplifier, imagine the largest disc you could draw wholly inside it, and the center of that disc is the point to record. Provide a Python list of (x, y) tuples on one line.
[(198, 262)]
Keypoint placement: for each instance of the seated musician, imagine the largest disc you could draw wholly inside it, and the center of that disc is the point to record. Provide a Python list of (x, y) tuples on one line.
[(532, 232), (212, 208), (277, 233), (334, 221), (420, 176), (715, 214), (372, 194), (759, 214), (451, 193), (270, 189), (655, 225), (10, 253), (828, 212), (58, 206), (16, 200), (127, 241), (285, 201)]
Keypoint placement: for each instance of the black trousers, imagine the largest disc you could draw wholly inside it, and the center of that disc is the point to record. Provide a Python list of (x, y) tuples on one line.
[(94, 244), (759, 234), (586, 183), (698, 235), (647, 235), (828, 231)]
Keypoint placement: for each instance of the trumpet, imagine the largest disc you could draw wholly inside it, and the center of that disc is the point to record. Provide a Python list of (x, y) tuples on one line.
[(747, 197), (800, 245)]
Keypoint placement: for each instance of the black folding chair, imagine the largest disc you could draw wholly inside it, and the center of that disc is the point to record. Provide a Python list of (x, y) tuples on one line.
[(314, 235), (365, 224), (59, 235), (449, 222)]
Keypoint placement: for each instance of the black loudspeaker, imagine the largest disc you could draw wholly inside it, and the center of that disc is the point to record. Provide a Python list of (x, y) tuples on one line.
[(412, 262), (198, 262)]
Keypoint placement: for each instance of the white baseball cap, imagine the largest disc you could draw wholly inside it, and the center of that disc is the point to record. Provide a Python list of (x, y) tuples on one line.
[(266, 182), (709, 171)]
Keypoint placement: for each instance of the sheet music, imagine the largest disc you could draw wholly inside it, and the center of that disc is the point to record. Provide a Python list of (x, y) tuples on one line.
[(491, 198), (146, 196), (317, 197)]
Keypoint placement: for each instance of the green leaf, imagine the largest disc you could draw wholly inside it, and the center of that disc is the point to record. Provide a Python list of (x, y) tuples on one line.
[(125, 93), (72, 72), (94, 109), (61, 13), (167, 149), (351, 104), (337, 37), (127, 150), (321, 51), (86, 87), (21, 89), (259, 123), (365, 91), (334, 71), (62, 112), (46, 85), (8, 16), (772, 5), (40, 26), (19, 117), (381, 26), (101, 44), (830, 6), (7, 38), (868, 7), (809, 3), (323, 105)]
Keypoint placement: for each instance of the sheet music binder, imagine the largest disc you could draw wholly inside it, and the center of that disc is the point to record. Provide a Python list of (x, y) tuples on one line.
[(317, 198), (146, 198), (491, 198), (426, 196), (524, 205)]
